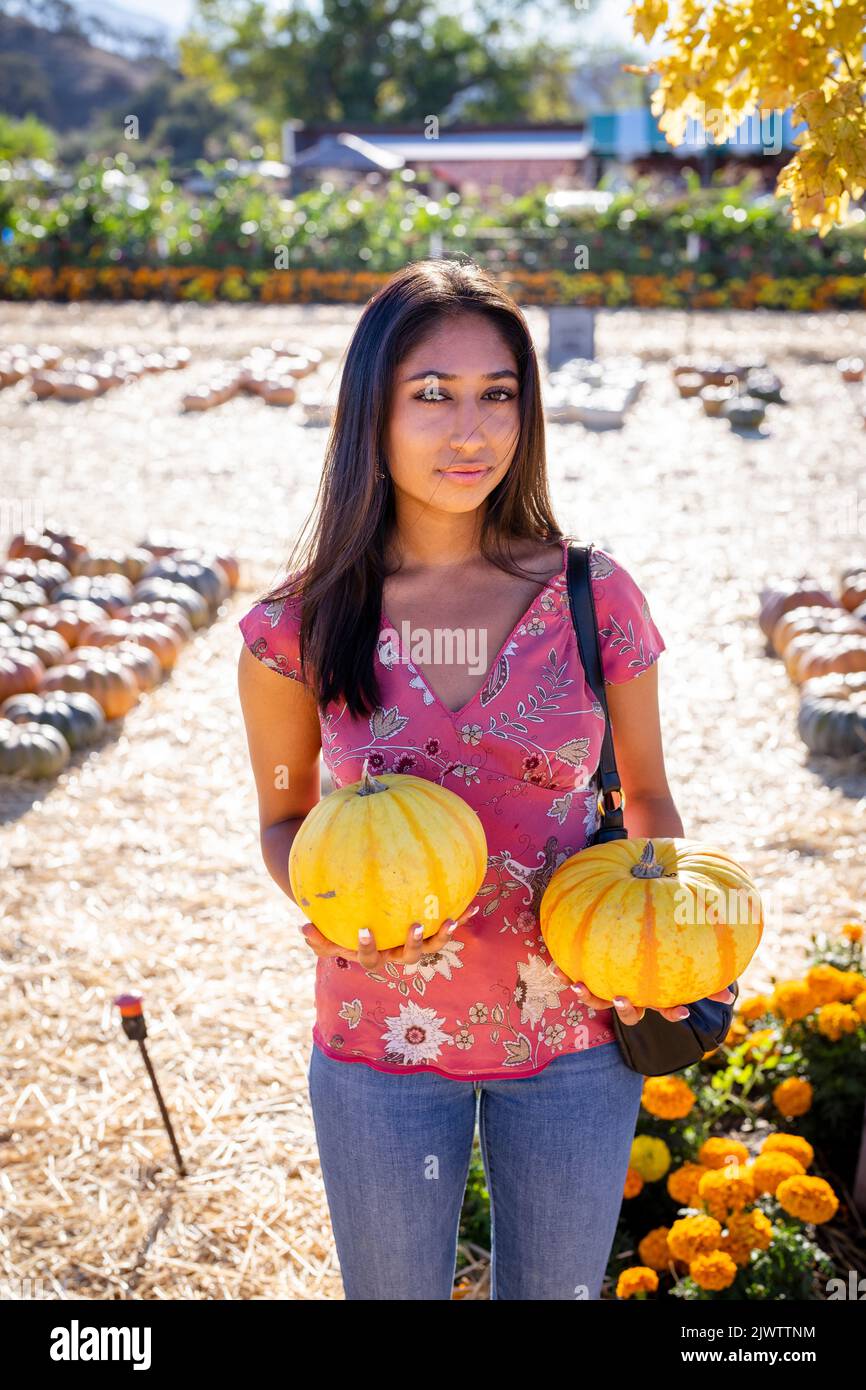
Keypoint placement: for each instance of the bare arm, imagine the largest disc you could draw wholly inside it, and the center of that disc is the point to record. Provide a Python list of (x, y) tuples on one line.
[(284, 739), (637, 741)]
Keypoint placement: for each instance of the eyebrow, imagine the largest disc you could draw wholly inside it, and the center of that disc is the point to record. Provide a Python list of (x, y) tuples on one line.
[(449, 376)]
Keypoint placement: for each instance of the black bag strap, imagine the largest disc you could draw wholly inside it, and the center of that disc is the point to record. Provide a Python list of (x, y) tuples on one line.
[(585, 621)]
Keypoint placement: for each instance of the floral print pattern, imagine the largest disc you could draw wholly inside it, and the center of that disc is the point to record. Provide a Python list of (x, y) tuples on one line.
[(523, 752)]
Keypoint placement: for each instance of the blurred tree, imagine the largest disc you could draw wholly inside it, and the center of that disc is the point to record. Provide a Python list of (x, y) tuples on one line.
[(24, 87), (727, 58), (25, 139), (372, 61), (177, 118)]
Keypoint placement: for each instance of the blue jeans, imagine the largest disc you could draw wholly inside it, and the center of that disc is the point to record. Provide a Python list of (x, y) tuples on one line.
[(395, 1153)]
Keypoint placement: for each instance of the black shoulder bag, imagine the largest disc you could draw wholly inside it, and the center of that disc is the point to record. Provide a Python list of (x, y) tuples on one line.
[(655, 1046)]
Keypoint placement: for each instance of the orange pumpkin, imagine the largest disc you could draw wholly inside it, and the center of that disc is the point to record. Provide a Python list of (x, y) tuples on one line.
[(141, 661), (162, 612), (70, 618), (854, 589), (801, 594), (159, 638), (661, 921), (815, 655), (801, 622), (110, 683), (20, 673), (35, 545), (48, 646), (131, 563), (385, 852)]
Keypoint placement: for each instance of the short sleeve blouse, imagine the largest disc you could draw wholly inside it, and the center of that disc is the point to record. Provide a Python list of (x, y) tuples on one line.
[(523, 752)]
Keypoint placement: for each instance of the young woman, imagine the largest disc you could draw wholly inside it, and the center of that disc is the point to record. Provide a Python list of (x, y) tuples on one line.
[(433, 515)]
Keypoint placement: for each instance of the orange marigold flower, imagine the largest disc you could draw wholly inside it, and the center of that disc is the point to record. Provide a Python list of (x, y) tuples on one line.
[(751, 1228), (736, 1032), (754, 1007), (793, 1144), (636, 1280), (860, 1005), (713, 1270), (853, 931), (825, 982), (853, 983), (793, 1096), (653, 1249), (633, 1183), (739, 1253), (793, 1000), (719, 1151), (682, 1184), (810, 1199), (694, 1235), (667, 1097), (835, 1019), (769, 1169), (721, 1193)]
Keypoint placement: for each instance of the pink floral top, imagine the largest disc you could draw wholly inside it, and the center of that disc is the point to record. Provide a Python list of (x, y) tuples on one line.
[(522, 753)]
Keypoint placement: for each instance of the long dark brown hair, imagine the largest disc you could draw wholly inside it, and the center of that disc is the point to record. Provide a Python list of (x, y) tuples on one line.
[(339, 573)]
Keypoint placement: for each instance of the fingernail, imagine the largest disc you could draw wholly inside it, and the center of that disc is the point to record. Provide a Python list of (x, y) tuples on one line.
[(684, 1014), (472, 911), (620, 1001), (418, 933), (579, 991), (364, 934), (453, 926)]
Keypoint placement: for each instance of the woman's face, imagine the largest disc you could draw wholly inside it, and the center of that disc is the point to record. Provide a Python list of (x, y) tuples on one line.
[(454, 407)]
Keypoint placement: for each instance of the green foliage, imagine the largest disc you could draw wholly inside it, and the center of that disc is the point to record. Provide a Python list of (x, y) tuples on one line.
[(475, 1214), (372, 61), (27, 138), (111, 211)]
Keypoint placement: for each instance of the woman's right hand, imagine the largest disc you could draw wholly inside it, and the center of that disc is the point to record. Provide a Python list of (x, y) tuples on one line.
[(371, 957)]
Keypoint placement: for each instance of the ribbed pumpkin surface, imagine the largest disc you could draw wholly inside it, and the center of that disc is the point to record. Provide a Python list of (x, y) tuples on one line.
[(405, 850), (659, 941)]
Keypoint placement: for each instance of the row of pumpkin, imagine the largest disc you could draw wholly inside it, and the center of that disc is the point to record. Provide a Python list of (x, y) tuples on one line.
[(51, 373), (736, 391), (271, 373), (84, 631), (821, 637)]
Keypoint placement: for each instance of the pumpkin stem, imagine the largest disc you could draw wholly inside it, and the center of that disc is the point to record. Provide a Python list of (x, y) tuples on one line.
[(648, 866), (369, 783)]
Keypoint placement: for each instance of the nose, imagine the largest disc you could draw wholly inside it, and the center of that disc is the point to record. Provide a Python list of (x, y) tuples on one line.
[(467, 425)]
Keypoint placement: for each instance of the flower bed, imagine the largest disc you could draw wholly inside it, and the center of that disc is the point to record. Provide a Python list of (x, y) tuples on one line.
[(112, 230), (741, 1165), (611, 289)]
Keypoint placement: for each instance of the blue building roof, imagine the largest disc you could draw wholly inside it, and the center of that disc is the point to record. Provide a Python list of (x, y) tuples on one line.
[(635, 133)]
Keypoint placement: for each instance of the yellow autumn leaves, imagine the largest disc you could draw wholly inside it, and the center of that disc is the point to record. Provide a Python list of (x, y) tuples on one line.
[(723, 61)]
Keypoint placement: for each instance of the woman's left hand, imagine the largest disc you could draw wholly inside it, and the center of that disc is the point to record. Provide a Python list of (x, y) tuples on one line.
[(628, 1012)]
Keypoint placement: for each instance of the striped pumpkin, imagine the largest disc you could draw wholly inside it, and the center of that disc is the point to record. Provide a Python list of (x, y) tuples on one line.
[(662, 921), (383, 853)]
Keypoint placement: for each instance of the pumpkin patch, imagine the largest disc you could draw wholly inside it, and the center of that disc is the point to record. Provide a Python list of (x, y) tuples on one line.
[(821, 638), (85, 632)]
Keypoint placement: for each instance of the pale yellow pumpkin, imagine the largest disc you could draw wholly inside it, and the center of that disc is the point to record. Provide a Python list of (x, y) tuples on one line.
[(385, 852), (662, 921)]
